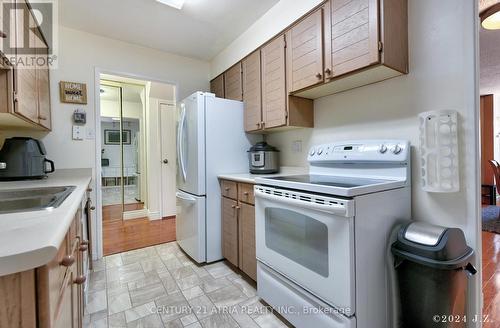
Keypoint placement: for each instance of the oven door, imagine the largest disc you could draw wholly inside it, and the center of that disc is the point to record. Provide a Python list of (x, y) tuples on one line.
[(309, 239)]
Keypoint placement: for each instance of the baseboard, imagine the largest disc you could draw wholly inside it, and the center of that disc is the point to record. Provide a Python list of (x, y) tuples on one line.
[(154, 215), (129, 215)]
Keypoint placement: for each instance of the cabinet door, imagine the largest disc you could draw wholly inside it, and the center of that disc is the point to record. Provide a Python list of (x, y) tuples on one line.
[(233, 87), (217, 86), (25, 86), (253, 92), (305, 52), (351, 36), (273, 83), (230, 230), (248, 260), (43, 86), (66, 314)]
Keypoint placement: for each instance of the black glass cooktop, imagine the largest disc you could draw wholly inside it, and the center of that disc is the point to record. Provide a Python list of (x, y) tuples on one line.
[(332, 181)]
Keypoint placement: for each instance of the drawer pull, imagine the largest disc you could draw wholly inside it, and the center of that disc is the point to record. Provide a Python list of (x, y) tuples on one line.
[(67, 260), (83, 248), (92, 208), (80, 280), (89, 189), (245, 193), (84, 242), (233, 206), (227, 189)]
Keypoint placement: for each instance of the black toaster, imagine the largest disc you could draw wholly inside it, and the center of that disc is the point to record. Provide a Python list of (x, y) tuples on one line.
[(24, 158)]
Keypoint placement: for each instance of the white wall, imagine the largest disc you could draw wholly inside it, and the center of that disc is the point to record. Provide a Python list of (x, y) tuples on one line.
[(80, 53), (442, 38)]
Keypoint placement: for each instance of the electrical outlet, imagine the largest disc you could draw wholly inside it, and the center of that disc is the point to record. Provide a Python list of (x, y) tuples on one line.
[(77, 132), (297, 146)]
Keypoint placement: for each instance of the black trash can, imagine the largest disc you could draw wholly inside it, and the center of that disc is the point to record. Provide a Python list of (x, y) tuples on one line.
[(432, 266)]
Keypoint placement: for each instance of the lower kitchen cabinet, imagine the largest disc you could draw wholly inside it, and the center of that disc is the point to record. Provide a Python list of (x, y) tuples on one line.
[(248, 260), (238, 227), (50, 296)]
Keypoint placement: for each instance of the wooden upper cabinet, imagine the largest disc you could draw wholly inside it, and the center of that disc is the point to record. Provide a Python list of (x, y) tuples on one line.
[(274, 94), (252, 96), (43, 86), (305, 52), (233, 88), (352, 36), (217, 86)]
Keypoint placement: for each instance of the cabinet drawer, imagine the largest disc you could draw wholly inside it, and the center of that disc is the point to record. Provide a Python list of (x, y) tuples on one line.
[(245, 193), (229, 189)]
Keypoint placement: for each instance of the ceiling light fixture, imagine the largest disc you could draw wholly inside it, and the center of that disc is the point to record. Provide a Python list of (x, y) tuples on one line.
[(489, 12), (177, 4)]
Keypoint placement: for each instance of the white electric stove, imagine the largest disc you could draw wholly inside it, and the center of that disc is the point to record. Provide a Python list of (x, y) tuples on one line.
[(322, 238)]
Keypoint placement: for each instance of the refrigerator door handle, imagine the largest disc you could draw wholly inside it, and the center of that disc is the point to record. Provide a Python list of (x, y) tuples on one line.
[(180, 141), (190, 200)]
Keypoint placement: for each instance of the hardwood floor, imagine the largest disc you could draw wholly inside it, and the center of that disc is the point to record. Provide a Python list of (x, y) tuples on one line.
[(491, 278), (125, 235), (114, 212)]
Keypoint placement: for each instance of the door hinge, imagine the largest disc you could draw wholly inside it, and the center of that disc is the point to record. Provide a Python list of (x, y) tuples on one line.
[(380, 46)]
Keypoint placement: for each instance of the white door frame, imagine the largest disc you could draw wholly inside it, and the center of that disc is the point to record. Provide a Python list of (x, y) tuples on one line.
[(163, 174), (97, 241)]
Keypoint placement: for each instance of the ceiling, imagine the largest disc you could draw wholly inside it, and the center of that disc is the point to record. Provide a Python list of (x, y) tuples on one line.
[(489, 50), (202, 29)]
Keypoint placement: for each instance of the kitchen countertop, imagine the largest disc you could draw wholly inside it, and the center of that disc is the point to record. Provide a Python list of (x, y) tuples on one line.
[(31, 239), (250, 178)]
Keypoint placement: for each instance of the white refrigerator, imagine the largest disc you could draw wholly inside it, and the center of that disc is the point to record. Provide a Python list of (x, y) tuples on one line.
[(210, 141)]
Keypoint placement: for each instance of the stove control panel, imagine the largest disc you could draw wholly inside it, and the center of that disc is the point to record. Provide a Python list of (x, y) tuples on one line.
[(361, 151)]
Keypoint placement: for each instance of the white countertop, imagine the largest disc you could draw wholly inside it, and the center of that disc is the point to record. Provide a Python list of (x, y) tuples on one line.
[(31, 239), (250, 178)]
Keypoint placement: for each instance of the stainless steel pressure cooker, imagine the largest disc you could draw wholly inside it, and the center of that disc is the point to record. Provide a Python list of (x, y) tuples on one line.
[(263, 159)]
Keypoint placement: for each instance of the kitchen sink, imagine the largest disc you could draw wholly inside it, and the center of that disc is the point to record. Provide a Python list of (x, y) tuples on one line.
[(35, 199)]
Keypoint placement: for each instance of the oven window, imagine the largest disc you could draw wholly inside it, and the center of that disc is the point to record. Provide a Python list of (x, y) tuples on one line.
[(298, 237)]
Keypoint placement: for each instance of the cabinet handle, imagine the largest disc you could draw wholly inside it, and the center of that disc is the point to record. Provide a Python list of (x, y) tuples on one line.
[(319, 75), (41, 117), (67, 260), (238, 207), (263, 124), (328, 71), (245, 193), (92, 208), (258, 125), (89, 189), (227, 189), (233, 206), (3, 35), (84, 242), (80, 280), (83, 248)]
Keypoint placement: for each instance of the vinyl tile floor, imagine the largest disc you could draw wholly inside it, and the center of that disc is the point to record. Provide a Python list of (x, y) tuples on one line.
[(160, 286)]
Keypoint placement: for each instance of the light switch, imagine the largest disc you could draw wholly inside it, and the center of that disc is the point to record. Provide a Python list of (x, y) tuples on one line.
[(297, 146), (89, 133), (77, 132)]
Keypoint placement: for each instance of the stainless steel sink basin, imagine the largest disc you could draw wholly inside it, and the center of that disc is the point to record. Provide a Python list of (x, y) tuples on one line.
[(36, 199)]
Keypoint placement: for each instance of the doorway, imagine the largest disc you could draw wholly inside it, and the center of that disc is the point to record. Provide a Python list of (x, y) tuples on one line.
[(490, 171), (134, 163)]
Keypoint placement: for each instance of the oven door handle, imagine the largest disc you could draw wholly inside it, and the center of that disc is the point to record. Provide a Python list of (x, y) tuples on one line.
[(333, 209)]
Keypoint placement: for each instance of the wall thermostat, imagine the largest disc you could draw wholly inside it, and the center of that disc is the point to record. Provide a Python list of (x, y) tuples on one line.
[(79, 117)]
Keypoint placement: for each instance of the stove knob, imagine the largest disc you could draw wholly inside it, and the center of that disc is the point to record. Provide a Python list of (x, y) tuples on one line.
[(320, 151), (382, 149), (312, 152), (396, 149)]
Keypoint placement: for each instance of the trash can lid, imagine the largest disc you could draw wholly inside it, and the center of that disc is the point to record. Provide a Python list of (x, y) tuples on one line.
[(432, 245)]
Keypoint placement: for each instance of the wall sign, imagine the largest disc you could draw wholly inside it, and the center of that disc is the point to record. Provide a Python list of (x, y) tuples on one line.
[(73, 92)]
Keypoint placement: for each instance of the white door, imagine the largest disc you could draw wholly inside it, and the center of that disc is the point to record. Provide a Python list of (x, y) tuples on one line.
[(310, 240), (169, 158), (190, 225), (191, 145)]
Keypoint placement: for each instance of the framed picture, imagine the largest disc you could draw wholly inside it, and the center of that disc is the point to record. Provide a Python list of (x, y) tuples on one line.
[(112, 137), (73, 92)]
